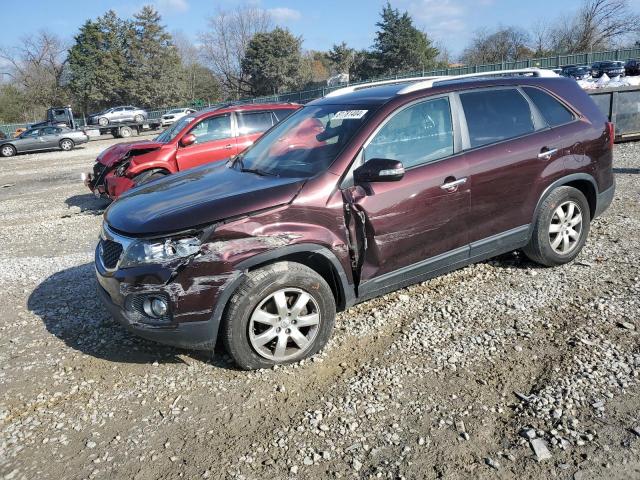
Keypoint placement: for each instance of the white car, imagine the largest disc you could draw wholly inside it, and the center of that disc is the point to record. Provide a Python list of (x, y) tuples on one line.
[(174, 115)]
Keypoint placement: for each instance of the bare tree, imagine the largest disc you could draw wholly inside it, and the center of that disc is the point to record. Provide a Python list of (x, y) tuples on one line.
[(225, 42), (598, 24), (503, 44), (541, 38), (37, 67)]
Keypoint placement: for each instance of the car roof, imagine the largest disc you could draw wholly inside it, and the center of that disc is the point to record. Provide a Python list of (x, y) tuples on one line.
[(379, 95), (247, 107)]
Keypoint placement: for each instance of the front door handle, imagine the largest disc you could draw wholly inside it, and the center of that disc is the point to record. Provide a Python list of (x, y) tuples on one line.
[(228, 147), (547, 153), (453, 185)]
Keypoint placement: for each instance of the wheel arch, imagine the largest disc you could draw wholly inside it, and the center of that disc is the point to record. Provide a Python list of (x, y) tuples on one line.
[(583, 182), (66, 138), (320, 259)]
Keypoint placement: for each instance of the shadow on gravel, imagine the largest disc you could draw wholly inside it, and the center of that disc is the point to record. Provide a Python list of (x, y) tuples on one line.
[(631, 171), (70, 309), (88, 203)]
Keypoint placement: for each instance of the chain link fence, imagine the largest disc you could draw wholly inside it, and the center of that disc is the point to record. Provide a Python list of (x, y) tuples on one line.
[(305, 96)]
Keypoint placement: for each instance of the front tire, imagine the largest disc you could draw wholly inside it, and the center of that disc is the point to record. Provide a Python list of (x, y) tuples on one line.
[(103, 121), (8, 150), (281, 314), (149, 175), (561, 228)]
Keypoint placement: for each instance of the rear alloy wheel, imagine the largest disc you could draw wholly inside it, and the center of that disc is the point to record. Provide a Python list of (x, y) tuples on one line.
[(282, 313), (8, 150), (138, 118), (66, 144), (103, 121), (561, 228)]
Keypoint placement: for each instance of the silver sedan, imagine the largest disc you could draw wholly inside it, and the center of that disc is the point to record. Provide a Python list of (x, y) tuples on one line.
[(119, 115), (43, 138)]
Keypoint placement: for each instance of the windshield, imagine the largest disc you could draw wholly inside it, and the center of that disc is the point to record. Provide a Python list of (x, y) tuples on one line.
[(171, 132), (305, 143), (176, 110)]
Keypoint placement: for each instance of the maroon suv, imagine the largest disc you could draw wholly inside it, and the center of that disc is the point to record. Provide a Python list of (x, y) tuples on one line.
[(360, 193)]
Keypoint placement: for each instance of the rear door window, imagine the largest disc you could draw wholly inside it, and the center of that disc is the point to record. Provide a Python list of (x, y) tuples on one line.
[(254, 122), (496, 115), (419, 134), (551, 109), (281, 114), (212, 129)]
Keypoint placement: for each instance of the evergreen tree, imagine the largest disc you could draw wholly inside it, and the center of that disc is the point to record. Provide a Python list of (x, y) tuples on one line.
[(399, 45), (341, 57), (96, 63), (272, 62), (154, 71)]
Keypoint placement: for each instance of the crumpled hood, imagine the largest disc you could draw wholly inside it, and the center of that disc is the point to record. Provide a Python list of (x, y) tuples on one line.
[(117, 152), (197, 197)]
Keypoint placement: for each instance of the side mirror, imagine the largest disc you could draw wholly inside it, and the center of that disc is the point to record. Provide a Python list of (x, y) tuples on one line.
[(188, 139), (379, 170)]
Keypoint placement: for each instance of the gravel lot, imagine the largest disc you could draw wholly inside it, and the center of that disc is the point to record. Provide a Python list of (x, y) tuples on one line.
[(499, 370)]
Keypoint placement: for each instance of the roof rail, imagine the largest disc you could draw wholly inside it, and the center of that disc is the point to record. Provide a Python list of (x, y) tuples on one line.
[(420, 85), (359, 86)]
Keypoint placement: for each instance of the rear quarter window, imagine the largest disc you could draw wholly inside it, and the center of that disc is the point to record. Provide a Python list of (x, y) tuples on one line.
[(496, 115), (554, 112)]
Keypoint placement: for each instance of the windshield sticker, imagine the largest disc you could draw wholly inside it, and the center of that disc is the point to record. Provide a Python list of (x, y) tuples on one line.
[(349, 114)]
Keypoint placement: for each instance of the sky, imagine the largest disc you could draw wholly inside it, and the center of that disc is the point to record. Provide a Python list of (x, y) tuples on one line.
[(321, 23)]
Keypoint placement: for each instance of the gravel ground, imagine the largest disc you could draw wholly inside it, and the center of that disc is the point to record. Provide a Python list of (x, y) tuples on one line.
[(499, 370)]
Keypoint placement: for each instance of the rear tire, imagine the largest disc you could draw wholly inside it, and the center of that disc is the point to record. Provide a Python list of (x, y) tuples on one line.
[(66, 144), (281, 314), (8, 150), (138, 118), (561, 228)]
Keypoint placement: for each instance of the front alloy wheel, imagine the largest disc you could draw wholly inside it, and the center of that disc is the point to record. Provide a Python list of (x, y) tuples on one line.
[(280, 313), (284, 325), (8, 151)]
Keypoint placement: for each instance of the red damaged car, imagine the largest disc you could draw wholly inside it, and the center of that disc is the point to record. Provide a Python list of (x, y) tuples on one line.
[(202, 137)]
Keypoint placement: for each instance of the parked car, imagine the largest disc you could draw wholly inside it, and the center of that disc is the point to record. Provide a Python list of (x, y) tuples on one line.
[(612, 69), (174, 115), (577, 73), (400, 182), (45, 138), (632, 67), (127, 113), (202, 137)]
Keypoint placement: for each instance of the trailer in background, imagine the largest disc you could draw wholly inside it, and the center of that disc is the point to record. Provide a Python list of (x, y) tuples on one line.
[(63, 117), (622, 106)]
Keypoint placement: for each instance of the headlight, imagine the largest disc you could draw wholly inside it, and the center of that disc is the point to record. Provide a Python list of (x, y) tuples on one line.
[(142, 252)]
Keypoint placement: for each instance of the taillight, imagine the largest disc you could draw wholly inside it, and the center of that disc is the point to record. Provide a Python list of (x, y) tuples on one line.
[(612, 133)]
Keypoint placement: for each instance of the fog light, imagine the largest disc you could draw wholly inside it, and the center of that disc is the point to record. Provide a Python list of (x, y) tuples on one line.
[(155, 307)]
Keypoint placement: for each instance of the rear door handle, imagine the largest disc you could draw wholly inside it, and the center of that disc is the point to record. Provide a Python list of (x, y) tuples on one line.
[(547, 153), (228, 147), (453, 185)]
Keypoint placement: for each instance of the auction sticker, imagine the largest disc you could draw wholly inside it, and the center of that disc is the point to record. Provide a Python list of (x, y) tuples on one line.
[(349, 114)]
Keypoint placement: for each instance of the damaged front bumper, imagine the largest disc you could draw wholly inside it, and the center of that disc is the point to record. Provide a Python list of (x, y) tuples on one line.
[(107, 185), (195, 295)]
